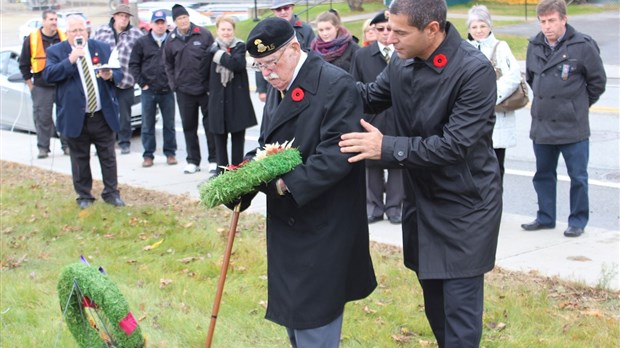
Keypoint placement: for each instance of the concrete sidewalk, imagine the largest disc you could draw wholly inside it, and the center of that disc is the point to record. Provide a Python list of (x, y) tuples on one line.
[(592, 258)]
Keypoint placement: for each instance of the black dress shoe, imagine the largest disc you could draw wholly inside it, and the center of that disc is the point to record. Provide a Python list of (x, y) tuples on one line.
[(84, 203), (573, 232), (535, 226), (395, 220), (115, 201), (372, 219)]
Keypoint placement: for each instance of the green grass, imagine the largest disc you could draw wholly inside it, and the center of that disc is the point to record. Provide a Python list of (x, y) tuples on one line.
[(517, 43), (42, 230)]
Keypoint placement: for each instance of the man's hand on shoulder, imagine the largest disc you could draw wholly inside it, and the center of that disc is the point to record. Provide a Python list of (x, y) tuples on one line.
[(367, 144)]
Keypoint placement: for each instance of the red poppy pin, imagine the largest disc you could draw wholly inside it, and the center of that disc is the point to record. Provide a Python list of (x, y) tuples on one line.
[(96, 59), (440, 60), (297, 94), (298, 23), (196, 30)]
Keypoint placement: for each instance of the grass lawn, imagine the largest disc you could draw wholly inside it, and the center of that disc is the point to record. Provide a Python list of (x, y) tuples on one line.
[(518, 44), (164, 253)]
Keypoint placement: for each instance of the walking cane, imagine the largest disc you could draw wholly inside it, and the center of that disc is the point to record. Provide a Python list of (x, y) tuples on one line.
[(225, 263)]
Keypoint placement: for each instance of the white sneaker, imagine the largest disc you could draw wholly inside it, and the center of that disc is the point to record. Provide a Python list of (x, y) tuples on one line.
[(212, 167), (191, 169)]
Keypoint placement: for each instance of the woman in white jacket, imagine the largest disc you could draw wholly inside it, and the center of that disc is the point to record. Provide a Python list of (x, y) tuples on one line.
[(480, 35)]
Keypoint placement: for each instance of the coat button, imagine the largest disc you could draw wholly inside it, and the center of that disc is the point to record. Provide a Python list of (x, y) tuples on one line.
[(401, 153)]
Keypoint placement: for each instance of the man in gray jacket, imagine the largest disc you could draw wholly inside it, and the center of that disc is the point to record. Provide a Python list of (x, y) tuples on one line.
[(567, 76)]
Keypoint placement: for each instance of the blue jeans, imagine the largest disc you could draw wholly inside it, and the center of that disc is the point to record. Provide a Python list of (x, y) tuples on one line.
[(545, 181), (165, 101), (125, 101)]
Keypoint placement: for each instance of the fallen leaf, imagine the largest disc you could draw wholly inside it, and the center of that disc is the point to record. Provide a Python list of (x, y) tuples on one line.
[(84, 213), (153, 246), (188, 225), (579, 258), (164, 282)]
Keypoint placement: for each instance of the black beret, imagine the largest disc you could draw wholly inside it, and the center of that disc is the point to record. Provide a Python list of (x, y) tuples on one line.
[(268, 36), (379, 18)]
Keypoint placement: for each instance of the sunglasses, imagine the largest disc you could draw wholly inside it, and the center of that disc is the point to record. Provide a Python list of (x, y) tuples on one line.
[(381, 29), (283, 8)]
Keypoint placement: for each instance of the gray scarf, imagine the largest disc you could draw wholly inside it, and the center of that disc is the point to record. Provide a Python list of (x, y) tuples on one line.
[(226, 75)]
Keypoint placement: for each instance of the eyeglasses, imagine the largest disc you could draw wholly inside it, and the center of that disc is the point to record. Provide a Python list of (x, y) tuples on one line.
[(283, 8), (269, 65), (381, 29)]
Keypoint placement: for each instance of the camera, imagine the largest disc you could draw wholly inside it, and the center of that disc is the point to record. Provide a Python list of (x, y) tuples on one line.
[(79, 41)]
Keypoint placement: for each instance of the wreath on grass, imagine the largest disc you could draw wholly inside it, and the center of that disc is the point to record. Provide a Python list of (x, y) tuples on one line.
[(237, 180), (94, 309)]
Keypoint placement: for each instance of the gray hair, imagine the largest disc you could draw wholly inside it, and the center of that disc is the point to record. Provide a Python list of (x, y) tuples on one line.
[(421, 12), (479, 13)]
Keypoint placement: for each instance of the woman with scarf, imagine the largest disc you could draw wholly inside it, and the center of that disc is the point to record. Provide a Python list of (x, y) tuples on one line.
[(230, 106), (334, 43), (480, 35)]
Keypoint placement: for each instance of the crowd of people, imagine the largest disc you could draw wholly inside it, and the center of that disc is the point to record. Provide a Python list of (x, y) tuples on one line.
[(373, 143)]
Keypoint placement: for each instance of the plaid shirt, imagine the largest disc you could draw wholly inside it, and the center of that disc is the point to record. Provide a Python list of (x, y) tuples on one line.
[(126, 39)]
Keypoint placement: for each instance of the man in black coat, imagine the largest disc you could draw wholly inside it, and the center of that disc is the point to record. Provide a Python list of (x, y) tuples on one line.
[(567, 76), (146, 64), (367, 64), (285, 9), (443, 93), (317, 236)]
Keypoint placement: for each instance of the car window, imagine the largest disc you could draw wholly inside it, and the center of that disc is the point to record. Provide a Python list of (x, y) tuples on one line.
[(13, 64), (4, 60)]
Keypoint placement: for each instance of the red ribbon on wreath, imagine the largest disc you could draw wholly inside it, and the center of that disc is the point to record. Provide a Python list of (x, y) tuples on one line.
[(297, 94), (440, 60), (128, 324), (86, 302)]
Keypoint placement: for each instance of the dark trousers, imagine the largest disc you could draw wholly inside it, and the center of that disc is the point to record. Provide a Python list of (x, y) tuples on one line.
[(125, 101), (95, 131), (376, 185), (42, 106), (188, 108), (501, 156), (327, 336), (149, 102), (545, 181), (454, 310), (221, 147)]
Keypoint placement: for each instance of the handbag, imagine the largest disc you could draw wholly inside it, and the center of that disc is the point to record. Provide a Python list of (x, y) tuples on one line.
[(519, 98)]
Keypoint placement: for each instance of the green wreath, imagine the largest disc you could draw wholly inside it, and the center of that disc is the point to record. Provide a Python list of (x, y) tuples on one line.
[(236, 181), (95, 311)]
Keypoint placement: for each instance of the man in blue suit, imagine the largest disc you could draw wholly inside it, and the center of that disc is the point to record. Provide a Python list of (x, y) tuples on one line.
[(86, 107)]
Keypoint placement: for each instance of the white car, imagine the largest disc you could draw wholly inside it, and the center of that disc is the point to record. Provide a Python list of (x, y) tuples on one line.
[(194, 16), (36, 23), (16, 105)]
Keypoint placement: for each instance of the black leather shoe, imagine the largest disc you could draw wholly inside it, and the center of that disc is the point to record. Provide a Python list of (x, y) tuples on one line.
[(84, 203), (573, 232), (395, 220), (535, 226), (115, 201), (373, 219)]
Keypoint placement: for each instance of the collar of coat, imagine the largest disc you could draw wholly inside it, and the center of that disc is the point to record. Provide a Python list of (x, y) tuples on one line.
[(448, 48)]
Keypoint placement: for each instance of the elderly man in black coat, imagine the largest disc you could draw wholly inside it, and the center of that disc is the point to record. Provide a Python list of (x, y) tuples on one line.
[(367, 64), (317, 235), (443, 93)]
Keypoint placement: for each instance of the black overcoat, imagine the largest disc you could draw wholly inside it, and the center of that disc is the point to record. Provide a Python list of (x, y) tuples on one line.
[(317, 235), (230, 107), (445, 116)]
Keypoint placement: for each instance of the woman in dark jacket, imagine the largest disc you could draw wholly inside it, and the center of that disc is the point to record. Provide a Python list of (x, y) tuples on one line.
[(230, 106), (334, 43)]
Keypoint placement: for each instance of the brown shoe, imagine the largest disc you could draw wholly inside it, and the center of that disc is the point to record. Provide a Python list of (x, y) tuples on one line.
[(171, 160), (148, 162)]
